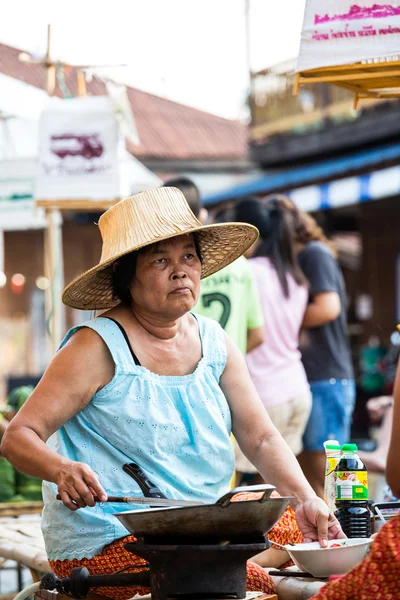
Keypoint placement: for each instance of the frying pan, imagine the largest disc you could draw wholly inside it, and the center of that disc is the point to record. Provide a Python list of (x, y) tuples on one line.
[(223, 520)]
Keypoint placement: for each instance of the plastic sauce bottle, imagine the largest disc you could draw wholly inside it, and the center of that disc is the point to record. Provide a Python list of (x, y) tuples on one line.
[(351, 493), (333, 453)]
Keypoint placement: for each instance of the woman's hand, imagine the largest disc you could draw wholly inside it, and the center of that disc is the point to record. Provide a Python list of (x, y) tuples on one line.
[(78, 484), (316, 522)]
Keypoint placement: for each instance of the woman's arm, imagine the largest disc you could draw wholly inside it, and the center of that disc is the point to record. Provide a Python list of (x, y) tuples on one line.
[(77, 372), (392, 465), (266, 449)]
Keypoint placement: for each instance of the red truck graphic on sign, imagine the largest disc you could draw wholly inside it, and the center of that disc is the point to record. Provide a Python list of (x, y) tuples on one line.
[(68, 144)]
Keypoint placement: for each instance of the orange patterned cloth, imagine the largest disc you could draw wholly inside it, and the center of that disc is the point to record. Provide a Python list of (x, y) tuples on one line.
[(377, 577), (114, 557)]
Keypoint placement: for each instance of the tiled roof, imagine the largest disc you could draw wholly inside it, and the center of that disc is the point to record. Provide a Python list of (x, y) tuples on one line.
[(166, 129)]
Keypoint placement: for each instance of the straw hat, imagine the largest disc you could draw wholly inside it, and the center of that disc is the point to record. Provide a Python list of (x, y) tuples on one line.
[(142, 220)]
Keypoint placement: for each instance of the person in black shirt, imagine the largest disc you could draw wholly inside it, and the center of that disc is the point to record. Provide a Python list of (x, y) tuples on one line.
[(325, 348)]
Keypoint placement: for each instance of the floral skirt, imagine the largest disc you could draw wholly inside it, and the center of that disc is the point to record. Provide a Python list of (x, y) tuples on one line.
[(114, 557)]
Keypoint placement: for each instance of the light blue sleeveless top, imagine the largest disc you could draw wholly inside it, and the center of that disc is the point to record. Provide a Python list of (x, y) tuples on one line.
[(176, 428)]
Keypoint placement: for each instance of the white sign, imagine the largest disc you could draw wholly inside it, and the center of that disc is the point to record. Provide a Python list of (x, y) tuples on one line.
[(78, 150), (17, 187), (339, 32)]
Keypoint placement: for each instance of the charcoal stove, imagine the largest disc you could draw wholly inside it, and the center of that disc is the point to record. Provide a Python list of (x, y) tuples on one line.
[(178, 568), (193, 551)]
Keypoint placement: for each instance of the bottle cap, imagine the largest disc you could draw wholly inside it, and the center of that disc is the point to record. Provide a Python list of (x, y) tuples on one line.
[(333, 447), (334, 442), (350, 448)]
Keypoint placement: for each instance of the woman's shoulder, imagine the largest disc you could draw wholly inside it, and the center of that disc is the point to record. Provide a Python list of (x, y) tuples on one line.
[(88, 333), (205, 324), (211, 333)]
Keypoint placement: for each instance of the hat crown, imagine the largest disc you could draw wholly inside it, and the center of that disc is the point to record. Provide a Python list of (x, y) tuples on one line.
[(144, 219)]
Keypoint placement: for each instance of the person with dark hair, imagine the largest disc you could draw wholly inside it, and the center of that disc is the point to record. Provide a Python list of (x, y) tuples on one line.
[(324, 346), (192, 194), (275, 366)]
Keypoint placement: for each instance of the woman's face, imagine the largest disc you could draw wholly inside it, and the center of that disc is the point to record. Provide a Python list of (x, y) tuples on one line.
[(167, 278)]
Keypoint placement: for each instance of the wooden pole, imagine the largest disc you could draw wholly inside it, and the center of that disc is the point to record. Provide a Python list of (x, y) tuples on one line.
[(1, 253), (53, 247), (54, 269), (81, 83), (49, 66)]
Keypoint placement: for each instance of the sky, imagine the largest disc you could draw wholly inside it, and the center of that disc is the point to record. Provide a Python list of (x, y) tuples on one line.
[(191, 51)]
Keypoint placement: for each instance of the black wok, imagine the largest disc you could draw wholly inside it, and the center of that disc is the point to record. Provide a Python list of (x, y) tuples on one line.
[(224, 519)]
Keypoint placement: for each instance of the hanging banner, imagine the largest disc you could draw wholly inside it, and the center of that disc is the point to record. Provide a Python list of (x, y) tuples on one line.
[(78, 141), (339, 32)]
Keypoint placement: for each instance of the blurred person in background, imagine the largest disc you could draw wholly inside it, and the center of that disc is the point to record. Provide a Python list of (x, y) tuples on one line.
[(275, 366), (231, 298), (192, 194), (324, 346)]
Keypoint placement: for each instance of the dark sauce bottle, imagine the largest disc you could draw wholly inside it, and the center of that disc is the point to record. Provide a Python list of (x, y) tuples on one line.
[(351, 494)]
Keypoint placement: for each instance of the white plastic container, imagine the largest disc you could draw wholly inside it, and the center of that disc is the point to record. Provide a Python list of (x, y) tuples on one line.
[(333, 454)]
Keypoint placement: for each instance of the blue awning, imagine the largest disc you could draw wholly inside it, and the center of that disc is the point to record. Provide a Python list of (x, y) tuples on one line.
[(293, 180)]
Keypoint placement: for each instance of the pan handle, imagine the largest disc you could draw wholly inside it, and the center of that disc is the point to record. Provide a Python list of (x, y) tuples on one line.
[(149, 489), (265, 487)]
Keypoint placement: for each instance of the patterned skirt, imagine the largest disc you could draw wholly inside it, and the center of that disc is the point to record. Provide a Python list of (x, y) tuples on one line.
[(114, 557)]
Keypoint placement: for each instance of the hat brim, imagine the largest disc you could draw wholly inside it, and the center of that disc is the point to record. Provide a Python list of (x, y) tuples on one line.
[(220, 245)]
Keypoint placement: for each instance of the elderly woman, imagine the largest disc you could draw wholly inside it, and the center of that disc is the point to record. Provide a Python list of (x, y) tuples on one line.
[(147, 382)]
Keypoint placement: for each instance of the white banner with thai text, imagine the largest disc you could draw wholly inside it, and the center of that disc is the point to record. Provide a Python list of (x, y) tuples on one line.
[(339, 32), (78, 157)]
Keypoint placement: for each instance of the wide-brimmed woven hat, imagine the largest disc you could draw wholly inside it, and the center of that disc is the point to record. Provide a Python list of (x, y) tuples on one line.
[(142, 220)]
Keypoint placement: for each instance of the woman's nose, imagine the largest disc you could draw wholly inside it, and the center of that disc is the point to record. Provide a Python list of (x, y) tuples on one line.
[(179, 274)]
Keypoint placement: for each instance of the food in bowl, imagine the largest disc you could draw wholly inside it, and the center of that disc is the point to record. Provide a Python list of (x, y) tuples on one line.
[(339, 557)]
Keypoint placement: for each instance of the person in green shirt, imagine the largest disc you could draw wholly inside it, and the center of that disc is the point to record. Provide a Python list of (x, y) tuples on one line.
[(231, 298)]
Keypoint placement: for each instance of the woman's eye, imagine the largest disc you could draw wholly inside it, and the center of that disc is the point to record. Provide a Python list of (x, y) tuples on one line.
[(160, 261), (189, 256)]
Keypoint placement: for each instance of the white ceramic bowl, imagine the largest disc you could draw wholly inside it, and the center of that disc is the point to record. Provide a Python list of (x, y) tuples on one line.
[(323, 562)]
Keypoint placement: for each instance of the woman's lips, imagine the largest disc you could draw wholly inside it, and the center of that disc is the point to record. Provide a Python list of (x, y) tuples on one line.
[(182, 290)]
